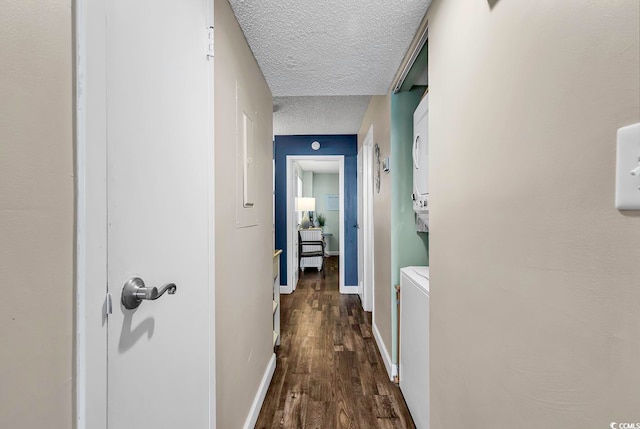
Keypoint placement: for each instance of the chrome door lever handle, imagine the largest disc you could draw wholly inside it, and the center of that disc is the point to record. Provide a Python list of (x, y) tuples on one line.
[(134, 291), (152, 293)]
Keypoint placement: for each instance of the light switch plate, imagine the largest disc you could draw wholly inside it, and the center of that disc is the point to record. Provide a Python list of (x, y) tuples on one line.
[(386, 166), (628, 159)]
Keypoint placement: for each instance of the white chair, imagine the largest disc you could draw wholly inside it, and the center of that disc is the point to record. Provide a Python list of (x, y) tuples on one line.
[(311, 249)]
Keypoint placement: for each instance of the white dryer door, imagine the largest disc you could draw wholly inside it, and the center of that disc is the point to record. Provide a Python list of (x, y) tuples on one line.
[(420, 149)]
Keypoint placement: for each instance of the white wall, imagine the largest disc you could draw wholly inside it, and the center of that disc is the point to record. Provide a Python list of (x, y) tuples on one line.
[(535, 276), (244, 256), (36, 215)]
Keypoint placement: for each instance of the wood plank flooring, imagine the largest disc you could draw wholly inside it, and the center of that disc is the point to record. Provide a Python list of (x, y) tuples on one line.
[(329, 372)]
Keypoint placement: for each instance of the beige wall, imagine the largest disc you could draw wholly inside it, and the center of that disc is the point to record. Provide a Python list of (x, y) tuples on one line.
[(378, 114), (243, 255), (535, 276), (36, 214)]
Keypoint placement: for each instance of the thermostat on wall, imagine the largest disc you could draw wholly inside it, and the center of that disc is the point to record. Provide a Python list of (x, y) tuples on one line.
[(385, 165)]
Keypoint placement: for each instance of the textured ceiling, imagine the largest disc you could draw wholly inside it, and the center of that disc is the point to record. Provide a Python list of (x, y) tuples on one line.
[(332, 47), (318, 115), (322, 59)]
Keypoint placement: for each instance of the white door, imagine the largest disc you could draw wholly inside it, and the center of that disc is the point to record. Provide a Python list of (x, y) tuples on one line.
[(159, 168), (361, 288)]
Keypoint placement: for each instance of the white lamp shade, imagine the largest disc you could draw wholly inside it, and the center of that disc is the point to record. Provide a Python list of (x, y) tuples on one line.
[(304, 204)]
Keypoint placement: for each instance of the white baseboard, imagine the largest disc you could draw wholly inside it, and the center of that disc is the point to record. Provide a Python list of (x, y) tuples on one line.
[(252, 418), (385, 354), (333, 252), (285, 290), (349, 290)]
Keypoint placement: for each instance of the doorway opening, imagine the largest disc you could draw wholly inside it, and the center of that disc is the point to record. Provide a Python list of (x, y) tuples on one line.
[(320, 177)]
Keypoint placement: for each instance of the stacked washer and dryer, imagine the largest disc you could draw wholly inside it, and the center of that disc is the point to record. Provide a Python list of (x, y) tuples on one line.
[(420, 154), (414, 287)]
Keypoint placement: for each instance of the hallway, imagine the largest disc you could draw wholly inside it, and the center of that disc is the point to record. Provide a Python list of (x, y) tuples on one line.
[(329, 372)]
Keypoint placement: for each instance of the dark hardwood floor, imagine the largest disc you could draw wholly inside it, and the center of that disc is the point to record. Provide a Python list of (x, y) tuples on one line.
[(329, 371)]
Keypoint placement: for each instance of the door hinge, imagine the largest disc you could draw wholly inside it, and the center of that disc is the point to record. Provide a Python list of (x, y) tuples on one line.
[(210, 42), (108, 305)]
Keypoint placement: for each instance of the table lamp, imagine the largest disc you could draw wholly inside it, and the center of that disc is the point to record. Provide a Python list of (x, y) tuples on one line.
[(305, 205)]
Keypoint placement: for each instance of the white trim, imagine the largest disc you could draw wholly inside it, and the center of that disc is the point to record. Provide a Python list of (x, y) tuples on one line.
[(212, 233), (349, 290), (285, 290), (90, 328), (383, 351), (91, 215), (360, 224), (290, 213), (80, 370), (369, 231), (367, 224), (252, 418), (333, 252), (412, 59), (292, 275), (341, 229)]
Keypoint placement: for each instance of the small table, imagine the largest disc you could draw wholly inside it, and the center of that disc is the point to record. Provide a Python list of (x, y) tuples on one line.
[(326, 235)]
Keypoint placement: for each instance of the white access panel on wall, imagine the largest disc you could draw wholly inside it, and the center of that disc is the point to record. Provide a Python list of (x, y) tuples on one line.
[(420, 154)]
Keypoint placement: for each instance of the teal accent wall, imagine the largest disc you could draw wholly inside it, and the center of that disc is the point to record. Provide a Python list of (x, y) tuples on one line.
[(408, 247)]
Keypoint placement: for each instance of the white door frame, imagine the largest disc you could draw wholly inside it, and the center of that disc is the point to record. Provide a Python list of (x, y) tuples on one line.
[(90, 372), (291, 236), (296, 191), (360, 224), (367, 222)]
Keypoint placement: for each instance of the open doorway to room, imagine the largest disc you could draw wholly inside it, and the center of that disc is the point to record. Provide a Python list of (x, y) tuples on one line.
[(337, 148), (320, 178)]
